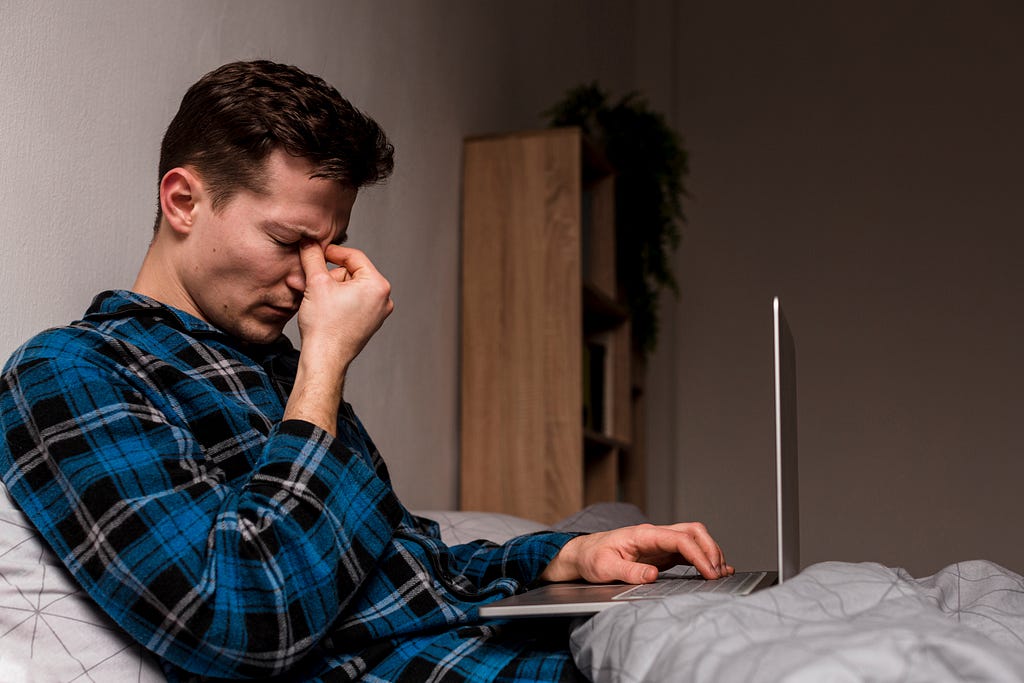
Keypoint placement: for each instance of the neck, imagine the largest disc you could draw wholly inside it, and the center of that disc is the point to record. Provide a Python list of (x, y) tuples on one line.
[(157, 279)]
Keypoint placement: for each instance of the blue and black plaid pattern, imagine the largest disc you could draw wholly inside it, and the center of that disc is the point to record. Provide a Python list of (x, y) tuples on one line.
[(148, 449)]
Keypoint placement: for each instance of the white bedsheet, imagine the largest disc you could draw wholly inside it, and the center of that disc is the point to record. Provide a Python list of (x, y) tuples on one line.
[(834, 622)]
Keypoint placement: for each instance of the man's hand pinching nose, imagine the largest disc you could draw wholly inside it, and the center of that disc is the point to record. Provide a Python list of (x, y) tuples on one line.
[(342, 307)]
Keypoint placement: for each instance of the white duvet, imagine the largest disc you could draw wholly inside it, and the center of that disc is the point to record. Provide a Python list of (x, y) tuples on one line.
[(834, 622)]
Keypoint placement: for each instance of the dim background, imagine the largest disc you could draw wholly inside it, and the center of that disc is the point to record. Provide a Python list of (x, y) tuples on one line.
[(861, 160)]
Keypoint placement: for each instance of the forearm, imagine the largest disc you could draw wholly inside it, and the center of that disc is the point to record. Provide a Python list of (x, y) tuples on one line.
[(318, 389), (522, 558)]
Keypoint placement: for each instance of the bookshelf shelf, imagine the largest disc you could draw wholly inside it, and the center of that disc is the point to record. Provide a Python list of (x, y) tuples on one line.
[(600, 311)]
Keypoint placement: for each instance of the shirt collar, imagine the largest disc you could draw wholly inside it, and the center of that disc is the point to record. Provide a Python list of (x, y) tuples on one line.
[(123, 303), (119, 303)]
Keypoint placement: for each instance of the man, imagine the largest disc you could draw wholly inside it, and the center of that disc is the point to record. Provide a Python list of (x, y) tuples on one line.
[(207, 485)]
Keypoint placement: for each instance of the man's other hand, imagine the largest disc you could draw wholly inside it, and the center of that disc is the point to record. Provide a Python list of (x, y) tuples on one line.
[(635, 554)]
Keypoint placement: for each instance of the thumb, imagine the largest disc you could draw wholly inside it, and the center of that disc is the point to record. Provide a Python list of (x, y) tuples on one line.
[(632, 572), (312, 256)]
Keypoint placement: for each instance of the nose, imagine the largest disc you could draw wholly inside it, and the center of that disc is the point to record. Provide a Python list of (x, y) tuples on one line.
[(296, 277)]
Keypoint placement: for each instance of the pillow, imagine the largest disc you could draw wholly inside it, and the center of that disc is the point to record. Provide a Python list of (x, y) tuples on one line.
[(50, 630), (602, 517), (458, 526)]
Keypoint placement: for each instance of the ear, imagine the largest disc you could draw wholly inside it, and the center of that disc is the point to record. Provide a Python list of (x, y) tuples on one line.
[(181, 192)]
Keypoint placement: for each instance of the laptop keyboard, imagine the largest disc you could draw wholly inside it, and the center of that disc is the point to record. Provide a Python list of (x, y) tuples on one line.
[(741, 584)]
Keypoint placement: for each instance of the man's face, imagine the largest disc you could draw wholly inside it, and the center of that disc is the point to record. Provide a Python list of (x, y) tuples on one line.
[(242, 272)]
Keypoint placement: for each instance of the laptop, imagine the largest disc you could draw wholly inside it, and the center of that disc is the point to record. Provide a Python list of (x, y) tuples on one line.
[(582, 599)]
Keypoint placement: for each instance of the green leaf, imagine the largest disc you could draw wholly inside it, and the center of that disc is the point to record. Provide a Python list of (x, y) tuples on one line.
[(650, 163)]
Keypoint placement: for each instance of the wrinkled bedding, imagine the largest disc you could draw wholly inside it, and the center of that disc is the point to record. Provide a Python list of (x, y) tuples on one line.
[(833, 622)]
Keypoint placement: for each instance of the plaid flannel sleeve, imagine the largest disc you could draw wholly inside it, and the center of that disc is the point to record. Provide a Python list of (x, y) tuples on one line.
[(474, 566), (217, 579)]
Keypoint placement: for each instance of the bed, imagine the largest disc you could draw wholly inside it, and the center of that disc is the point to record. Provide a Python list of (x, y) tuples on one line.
[(833, 622)]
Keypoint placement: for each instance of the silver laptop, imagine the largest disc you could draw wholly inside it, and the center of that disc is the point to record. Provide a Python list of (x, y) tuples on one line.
[(580, 599)]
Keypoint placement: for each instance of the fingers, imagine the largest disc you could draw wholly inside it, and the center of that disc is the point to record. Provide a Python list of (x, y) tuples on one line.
[(352, 261), (350, 264), (690, 543), (699, 533), (354, 264), (707, 563), (312, 255)]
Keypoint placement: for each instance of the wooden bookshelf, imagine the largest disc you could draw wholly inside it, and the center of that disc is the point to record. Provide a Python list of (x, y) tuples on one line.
[(539, 297)]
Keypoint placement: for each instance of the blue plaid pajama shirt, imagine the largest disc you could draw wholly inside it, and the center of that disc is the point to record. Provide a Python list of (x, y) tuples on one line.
[(148, 449)]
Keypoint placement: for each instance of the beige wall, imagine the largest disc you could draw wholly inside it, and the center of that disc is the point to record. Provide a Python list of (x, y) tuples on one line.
[(863, 161), (88, 88)]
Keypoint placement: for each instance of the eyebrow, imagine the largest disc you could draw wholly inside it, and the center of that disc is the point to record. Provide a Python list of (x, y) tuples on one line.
[(275, 226), (271, 225)]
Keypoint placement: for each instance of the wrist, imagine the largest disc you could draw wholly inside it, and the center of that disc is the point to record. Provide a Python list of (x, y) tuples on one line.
[(317, 392), (563, 567)]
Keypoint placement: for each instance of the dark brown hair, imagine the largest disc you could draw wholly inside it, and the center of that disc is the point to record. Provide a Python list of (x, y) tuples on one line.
[(236, 115)]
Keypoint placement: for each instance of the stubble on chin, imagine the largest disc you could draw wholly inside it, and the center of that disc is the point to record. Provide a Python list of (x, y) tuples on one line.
[(252, 330)]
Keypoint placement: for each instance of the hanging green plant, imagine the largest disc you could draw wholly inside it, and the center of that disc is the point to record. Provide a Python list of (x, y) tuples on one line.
[(650, 163)]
